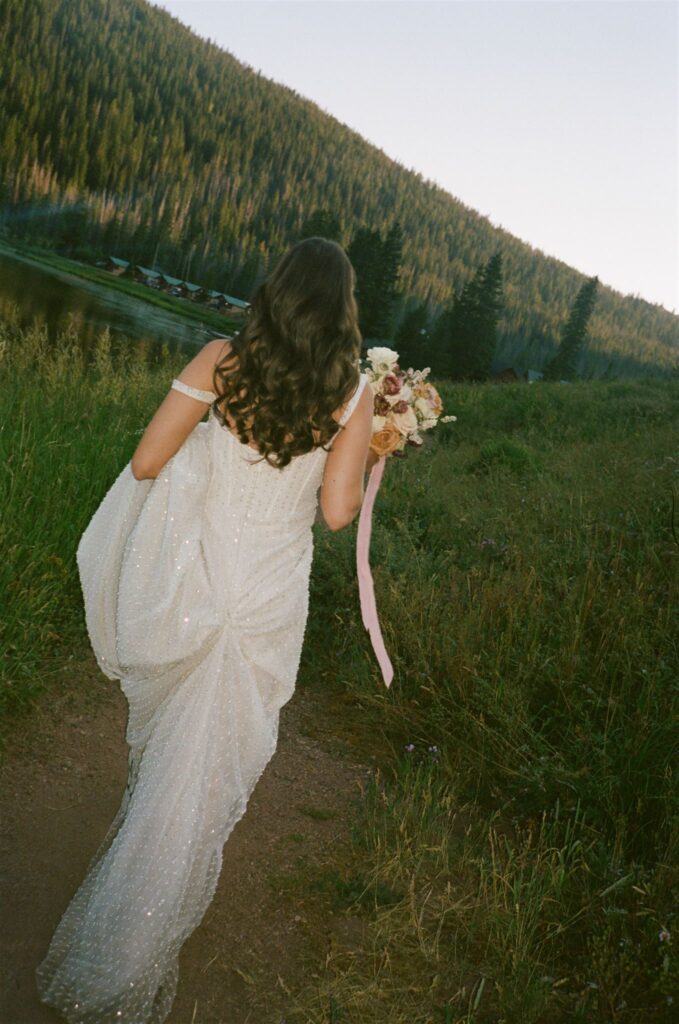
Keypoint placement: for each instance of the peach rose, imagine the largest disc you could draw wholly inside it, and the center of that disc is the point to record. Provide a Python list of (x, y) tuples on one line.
[(429, 392), (387, 440)]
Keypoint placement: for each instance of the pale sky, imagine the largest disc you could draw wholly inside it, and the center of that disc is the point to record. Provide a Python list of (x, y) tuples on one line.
[(556, 119)]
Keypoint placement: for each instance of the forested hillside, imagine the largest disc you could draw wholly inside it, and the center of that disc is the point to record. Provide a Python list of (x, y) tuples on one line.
[(122, 132)]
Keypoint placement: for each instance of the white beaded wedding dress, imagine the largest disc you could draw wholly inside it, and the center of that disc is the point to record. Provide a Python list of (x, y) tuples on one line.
[(196, 588)]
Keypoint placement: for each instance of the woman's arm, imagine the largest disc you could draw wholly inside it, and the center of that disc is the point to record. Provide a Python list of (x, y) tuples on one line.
[(177, 415), (343, 485)]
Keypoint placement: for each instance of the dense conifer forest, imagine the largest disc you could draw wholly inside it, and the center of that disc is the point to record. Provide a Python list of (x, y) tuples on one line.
[(123, 133)]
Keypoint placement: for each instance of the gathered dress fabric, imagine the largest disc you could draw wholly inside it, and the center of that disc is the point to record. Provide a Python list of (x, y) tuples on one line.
[(196, 590)]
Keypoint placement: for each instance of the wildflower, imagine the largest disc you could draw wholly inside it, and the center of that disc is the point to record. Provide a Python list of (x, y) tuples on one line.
[(664, 935), (409, 747)]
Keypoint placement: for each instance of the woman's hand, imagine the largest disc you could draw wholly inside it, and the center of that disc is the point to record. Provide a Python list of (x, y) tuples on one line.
[(372, 458)]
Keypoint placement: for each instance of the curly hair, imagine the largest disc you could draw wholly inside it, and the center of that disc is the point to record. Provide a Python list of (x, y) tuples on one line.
[(296, 359)]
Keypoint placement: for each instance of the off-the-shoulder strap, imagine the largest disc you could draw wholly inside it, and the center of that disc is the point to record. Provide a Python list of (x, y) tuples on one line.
[(202, 396), (351, 404)]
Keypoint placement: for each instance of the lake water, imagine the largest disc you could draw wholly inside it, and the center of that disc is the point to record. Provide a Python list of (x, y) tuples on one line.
[(53, 295)]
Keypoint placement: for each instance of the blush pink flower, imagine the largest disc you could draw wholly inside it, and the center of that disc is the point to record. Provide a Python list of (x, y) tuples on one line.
[(391, 384)]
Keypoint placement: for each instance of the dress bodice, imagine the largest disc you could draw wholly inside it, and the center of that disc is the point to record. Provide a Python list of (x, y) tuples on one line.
[(254, 489)]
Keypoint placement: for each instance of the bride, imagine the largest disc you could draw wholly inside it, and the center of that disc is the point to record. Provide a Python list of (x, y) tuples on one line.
[(195, 577)]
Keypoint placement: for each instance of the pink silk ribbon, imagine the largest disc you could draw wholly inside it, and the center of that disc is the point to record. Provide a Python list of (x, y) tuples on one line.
[(365, 581)]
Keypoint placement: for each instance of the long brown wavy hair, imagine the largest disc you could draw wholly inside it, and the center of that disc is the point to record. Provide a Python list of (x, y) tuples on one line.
[(295, 361)]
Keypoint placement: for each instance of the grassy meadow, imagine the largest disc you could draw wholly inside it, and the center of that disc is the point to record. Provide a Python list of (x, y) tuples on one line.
[(517, 850)]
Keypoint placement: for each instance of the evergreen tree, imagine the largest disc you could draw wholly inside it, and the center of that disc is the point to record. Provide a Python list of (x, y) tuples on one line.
[(435, 351), (364, 251), (563, 365), (322, 223), (412, 339), (392, 256), (377, 265), (469, 347), (458, 344), (490, 310), (245, 279), (72, 229)]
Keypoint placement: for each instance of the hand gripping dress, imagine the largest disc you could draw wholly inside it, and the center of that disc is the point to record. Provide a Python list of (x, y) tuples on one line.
[(196, 590)]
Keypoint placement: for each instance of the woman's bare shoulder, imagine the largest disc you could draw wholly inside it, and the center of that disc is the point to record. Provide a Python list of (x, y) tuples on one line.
[(216, 350), (201, 368)]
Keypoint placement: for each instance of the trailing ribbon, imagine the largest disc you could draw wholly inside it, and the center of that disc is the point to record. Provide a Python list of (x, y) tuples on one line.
[(365, 581)]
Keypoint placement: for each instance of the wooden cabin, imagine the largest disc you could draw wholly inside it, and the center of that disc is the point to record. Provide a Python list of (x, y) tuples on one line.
[(146, 276), (171, 285), (216, 300), (195, 292), (114, 265), (177, 286)]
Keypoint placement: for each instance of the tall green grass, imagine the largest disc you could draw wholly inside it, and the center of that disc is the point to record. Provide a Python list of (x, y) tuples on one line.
[(68, 426), (518, 845), (526, 571)]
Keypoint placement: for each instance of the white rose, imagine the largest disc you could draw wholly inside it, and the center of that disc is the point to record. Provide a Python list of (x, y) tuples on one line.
[(378, 423), (405, 421), (382, 359), (423, 407)]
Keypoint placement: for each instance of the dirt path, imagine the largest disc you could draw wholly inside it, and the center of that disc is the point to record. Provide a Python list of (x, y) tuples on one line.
[(271, 922)]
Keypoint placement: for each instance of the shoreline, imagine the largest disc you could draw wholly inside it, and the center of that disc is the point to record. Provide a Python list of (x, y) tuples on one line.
[(96, 278)]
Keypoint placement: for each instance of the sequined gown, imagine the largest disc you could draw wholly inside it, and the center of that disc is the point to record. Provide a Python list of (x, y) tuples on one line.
[(195, 587)]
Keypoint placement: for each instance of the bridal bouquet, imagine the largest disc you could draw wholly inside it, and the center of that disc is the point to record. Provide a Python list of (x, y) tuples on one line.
[(405, 405)]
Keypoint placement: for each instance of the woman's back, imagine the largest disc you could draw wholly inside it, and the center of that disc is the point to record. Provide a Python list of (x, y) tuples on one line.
[(195, 579), (271, 494)]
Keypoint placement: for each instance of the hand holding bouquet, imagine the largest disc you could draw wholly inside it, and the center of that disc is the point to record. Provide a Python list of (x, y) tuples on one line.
[(405, 405)]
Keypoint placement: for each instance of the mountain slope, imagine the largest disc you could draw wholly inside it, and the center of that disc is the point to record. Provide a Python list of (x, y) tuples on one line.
[(121, 130)]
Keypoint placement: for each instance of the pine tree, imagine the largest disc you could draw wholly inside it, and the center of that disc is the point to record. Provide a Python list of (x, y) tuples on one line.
[(490, 308), (72, 228), (470, 332), (245, 279), (322, 223), (365, 252), (563, 365), (377, 264), (412, 339), (435, 351), (392, 256)]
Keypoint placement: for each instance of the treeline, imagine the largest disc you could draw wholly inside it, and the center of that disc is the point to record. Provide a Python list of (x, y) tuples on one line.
[(121, 131), (460, 342)]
